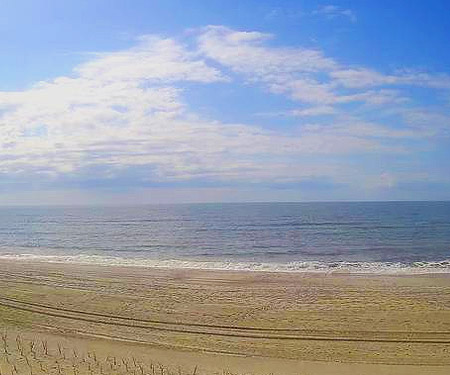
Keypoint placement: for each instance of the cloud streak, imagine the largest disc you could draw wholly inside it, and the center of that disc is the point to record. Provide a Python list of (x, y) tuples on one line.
[(307, 75), (333, 11)]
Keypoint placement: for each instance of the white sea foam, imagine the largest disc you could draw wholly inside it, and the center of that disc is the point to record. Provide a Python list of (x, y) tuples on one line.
[(300, 266)]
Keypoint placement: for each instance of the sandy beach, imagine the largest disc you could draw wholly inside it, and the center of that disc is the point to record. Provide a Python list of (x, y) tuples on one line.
[(241, 322)]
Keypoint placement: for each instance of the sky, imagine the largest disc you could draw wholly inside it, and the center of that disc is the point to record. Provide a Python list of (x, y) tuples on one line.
[(133, 102)]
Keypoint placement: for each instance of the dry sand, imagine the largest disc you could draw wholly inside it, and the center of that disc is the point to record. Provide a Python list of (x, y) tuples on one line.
[(244, 322)]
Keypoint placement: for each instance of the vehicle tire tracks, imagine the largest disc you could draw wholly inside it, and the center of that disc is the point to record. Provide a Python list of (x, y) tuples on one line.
[(228, 331)]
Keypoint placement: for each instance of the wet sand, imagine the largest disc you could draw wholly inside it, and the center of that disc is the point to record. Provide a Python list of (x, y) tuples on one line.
[(244, 322)]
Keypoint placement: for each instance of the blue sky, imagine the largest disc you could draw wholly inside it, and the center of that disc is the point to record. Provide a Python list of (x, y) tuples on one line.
[(174, 101)]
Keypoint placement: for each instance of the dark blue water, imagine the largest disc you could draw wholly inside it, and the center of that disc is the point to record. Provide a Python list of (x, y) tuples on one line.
[(285, 236)]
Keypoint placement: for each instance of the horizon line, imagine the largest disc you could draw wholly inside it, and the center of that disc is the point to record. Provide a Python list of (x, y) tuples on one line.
[(218, 202)]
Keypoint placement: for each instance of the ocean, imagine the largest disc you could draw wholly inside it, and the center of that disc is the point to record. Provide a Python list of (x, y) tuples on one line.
[(379, 237)]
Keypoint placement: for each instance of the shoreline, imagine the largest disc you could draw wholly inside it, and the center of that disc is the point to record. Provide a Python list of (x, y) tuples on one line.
[(301, 267)]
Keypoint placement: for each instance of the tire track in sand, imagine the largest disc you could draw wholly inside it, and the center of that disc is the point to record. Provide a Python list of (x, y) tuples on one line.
[(228, 331)]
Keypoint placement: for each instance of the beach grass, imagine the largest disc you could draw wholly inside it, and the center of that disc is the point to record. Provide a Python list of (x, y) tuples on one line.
[(35, 355)]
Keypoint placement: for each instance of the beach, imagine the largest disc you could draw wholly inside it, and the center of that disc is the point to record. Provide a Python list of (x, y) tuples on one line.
[(243, 322), (219, 188)]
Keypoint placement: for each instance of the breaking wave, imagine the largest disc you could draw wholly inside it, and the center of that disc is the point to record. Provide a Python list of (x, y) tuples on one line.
[(297, 266)]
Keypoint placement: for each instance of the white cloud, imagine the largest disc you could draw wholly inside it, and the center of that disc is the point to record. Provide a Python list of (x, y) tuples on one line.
[(381, 97), (361, 77), (368, 130), (244, 52), (290, 71), (435, 121), (306, 75), (333, 11), (358, 78), (123, 112), (152, 59), (314, 111)]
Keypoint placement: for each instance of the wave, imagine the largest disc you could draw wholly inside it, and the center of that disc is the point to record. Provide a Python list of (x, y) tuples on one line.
[(298, 266)]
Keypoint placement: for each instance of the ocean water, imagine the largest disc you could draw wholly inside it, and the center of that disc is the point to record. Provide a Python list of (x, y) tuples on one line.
[(296, 237)]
